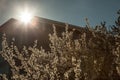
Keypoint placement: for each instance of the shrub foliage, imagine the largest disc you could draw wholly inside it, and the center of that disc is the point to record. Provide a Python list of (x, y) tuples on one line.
[(94, 55)]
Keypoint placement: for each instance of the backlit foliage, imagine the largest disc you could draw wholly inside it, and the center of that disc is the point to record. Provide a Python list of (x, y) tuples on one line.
[(94, 55)]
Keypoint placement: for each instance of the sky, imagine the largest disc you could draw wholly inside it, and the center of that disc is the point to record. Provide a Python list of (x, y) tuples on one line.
[(68, 11)]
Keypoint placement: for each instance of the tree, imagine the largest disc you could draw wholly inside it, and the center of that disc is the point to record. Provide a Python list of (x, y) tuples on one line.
[(93, 55), (116, 28)]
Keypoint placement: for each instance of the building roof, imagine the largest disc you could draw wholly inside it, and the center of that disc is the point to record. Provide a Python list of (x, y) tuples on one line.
[(39, 30)]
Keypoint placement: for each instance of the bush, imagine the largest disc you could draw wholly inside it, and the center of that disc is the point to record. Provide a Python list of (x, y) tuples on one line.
[(68, 59)]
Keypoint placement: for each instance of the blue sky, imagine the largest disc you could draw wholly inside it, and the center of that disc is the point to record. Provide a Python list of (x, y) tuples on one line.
[(69, 11)]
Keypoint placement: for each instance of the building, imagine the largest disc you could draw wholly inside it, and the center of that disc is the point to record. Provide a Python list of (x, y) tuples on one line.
[(38, 29)]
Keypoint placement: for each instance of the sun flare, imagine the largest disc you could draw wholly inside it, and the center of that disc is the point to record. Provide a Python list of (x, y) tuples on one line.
[(26, 17)]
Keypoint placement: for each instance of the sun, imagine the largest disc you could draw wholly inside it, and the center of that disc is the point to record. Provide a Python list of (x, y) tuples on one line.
[(26, 17)]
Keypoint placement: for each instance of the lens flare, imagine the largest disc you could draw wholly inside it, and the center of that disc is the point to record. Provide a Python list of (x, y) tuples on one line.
[(26, 17)]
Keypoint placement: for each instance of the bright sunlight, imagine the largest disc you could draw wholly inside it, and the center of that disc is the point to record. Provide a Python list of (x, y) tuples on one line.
[(26, 17)]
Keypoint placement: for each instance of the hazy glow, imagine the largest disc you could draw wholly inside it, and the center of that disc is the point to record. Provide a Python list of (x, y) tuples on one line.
[(26, 17)]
